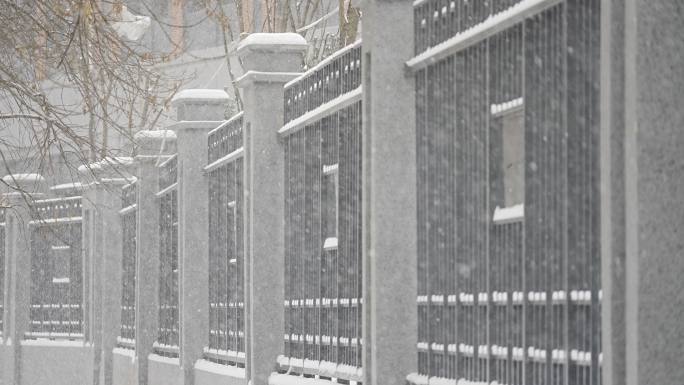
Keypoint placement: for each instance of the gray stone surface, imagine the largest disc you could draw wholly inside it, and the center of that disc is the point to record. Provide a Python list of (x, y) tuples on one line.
[(110, 250), (19, 192), (389, 194), (264, 294), (151, 151), (643, 174), (193, 239)]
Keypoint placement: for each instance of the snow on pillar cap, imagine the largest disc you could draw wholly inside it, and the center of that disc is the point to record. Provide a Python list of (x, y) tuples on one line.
[(155, 142), (68, 189), (200, 104), (117, 169), (89, 173), (25, 183), (272, 52)]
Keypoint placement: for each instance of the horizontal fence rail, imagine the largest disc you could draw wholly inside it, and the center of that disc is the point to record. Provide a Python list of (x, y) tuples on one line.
[(129, 216), (56, 269), (508, 254), (226, 245), (323, 285), (168, 336)]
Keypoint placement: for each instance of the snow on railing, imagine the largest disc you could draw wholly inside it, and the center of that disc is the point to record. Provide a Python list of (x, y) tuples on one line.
[(225, 138), (442, 31), (168, 172), (336, 75)]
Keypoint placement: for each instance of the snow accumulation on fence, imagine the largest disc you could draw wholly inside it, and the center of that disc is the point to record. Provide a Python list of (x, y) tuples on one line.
[(22, 178), (287, 379), (125, 352), (323, 110), (323, 63), (330, 243), (505, 107), (508, 214), (290, 38), (155, 134), (227, 122), (225, 370), (200, 94), (63, 343), (163, 359), (489, 27), (419, 379), (238, 153)]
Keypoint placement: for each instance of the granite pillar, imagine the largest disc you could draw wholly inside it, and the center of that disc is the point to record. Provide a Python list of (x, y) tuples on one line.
[(198, 112), (269, 61), (389, 194), (153, 147), (642, 180), (20, 190)]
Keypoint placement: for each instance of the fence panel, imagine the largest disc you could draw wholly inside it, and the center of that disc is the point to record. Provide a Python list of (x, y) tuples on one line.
[(226, 244), (56, 269), (167, 343), (129, 217), (508, 264), (323, 276)]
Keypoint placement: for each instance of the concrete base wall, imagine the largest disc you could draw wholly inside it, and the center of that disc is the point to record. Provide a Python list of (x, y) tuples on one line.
[(56, 363), (210, 373), (124, 367), (5, 362), (164, 371)]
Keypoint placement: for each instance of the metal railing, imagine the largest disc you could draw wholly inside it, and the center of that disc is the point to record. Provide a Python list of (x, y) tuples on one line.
[(128, 215), (225, 139), (508, 256), (435, 21), (329, 79), (323, 270), (169, 322), (226, 245), (56, 269)]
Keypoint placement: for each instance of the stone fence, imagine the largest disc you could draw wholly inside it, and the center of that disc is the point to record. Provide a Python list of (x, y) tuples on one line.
[(474, 194)]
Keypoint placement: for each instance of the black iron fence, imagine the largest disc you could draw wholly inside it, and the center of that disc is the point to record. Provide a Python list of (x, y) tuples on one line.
[(56, 269), (225, 139), (226, 244), (323, 270), (169, 321), (329, 79), (128, 214), (436, 21), (508, 253)]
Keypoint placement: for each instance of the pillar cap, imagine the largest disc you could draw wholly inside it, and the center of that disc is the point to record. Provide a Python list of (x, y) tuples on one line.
[(89, 173), (200, 95), (200, 104), (155, 142), (273, 42), (25, 183), (68, 189), (272, 52), (117, 169)]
